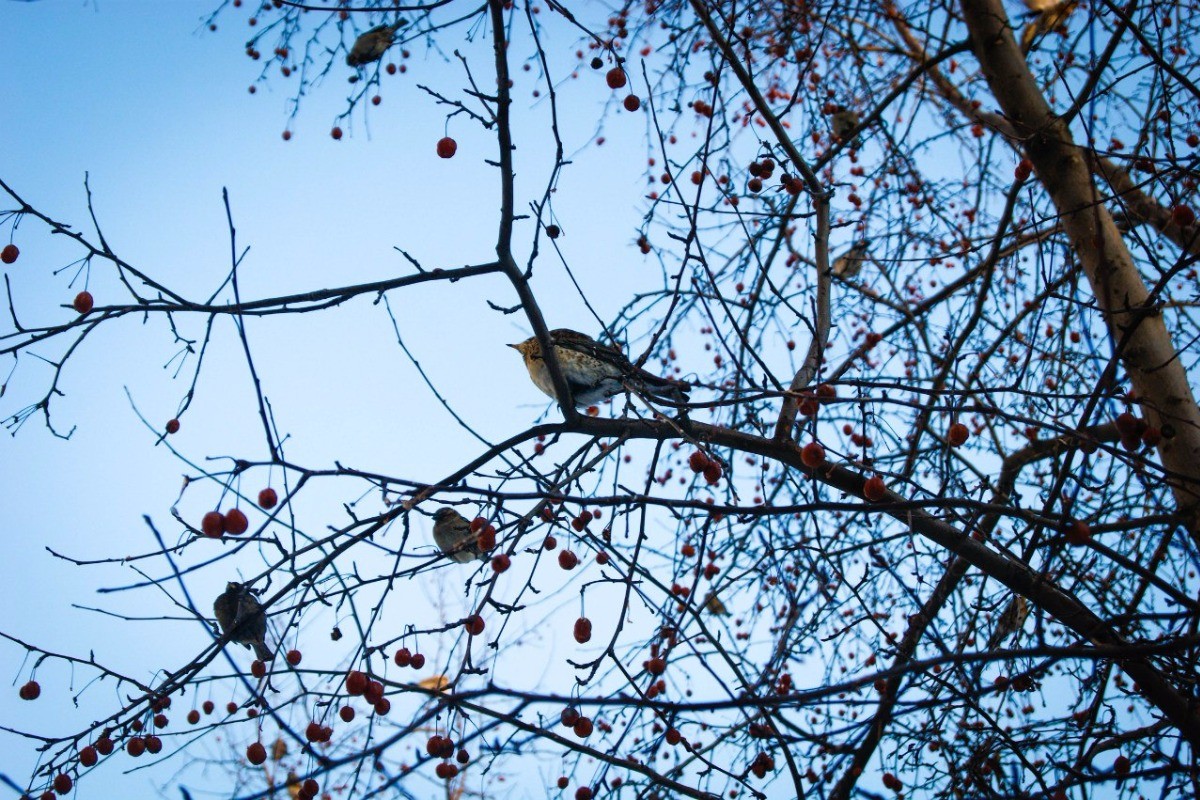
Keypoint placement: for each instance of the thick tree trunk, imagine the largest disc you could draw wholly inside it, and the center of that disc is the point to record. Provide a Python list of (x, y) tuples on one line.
[(1136, 326)]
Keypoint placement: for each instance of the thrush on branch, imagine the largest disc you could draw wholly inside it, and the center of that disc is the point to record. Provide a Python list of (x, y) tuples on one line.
[(1011, 620), (371, 45), (847, 265), (242, 618), (453, 535), (843, 121), (1051, 15), (594, 371)]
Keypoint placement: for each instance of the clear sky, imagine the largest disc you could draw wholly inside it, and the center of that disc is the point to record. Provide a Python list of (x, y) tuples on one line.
[(155, 109)]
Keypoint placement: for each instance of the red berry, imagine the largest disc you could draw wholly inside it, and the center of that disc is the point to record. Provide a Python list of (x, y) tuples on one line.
[(293, 657), (356, 682), (697, 461), (812, 455), (153, 744), (615, 78), (374, 692), (445, 770), (583, 630), (160, 721), (501, 563), (957, 435), (310, 787), (312, 732), (258, 669), (267, 498), (104, 745), (235, 522), (486, 540), (568, 560), (83, 302), (674, 737), (208, 706), (135, 746), (563, 781), (569, 716), (172, 426), (213, 524), (30, 691), (256, 754), (336, 133), (63, 783), (874, 489), (549, 543), (287, 136), (632, 103), (9, 254), (553, 231), (446, 147), (583, 793), (582, 727), (712, 473), (193, 717), (474, 624), (383, 706), (687, 551), (656, 666), (1079, 533), (347, 714), (1120, 766), (231, 707), (1183, 216), (88, 757), (403, 657), (418, 660)]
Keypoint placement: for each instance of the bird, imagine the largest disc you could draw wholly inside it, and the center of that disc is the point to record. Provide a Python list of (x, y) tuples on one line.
[(843, 120), (1011, 620), (242, 619), (847, 265), (714, 606), (452, 532), (371, 45), (1050, 15), (594, 371)]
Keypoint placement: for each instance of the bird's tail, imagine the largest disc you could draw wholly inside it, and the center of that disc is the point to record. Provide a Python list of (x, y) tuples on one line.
[(663, 388), (262, 652)]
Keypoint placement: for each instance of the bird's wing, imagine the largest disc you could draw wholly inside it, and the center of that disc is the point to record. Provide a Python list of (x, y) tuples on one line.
[(581, 343)]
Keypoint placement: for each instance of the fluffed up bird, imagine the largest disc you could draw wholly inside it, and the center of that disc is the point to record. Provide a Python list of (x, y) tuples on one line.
[(242, 619), (452, 533), (848, 264), (714, 606), (371, 46), (594, 371), (1010, 620), (843, 120)]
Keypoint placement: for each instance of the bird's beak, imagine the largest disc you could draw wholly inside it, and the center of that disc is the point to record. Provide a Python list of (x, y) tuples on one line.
[(514, 346)]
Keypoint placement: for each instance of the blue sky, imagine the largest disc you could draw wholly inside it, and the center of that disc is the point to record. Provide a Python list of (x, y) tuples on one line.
[(155, 109)]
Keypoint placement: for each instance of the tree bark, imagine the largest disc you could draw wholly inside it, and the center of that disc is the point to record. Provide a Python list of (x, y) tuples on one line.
[(1135, 324)]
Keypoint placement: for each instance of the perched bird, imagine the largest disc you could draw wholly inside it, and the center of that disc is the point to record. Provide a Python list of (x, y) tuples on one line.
[(1051, 15), (847, 265), (242, 619), (371, 46), (452, 532), (843, 120), (714, 606), (594, 371), (1010, 620)]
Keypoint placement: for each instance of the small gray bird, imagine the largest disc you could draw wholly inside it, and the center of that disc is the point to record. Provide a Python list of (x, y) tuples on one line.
[(371, 46), (1011, 620), (242, 618), (594, 371), (843, 121), (454, 538), (848, 264)]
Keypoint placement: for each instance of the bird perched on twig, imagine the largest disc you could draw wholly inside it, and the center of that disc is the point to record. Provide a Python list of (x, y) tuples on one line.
[(1051, 15), (453, 535), (371, 45), (594, 371), (847, 265), (242, 619), (843, 120), (1011, 620)]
